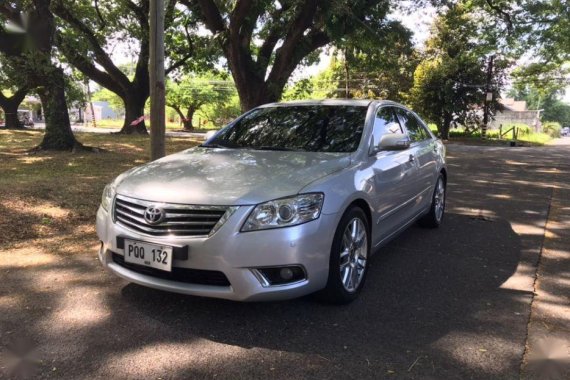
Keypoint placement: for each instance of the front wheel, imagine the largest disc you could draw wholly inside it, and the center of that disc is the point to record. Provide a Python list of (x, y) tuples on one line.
[(435, 215), (349, 255)]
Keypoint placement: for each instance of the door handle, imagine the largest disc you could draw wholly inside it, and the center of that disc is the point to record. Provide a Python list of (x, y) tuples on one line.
[(412, 158)]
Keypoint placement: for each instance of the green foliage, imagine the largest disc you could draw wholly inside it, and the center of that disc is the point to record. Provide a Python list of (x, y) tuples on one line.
[(557, 111), (449, 82), (377, 63), (552, 129), (104, 95), (542, 91), (217, 115), (192, 92), (265, 41)]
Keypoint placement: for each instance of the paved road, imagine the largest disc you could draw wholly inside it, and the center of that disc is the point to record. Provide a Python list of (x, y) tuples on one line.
[(448, 303)]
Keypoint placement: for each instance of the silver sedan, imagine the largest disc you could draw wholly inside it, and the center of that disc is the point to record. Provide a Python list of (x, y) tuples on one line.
[(287, 200)]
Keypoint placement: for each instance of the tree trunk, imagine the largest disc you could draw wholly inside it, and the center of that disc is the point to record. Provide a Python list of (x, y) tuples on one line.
[(134, 110), (58, 134), (254, 94), (187, 121), (444, 131), (10, 106), (11, 113)]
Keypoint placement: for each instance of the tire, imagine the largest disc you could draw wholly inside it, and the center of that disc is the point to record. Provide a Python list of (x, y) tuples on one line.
[(436, 212), (345, 283)]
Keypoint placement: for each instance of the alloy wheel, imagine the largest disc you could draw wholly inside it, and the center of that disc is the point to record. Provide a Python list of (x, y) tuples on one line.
[(353, 255)]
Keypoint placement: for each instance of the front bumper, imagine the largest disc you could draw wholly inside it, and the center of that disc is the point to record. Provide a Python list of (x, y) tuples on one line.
[(234, 254)]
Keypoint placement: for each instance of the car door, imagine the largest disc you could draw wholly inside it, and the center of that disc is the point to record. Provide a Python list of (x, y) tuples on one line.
[(394, 174), (422, 149)]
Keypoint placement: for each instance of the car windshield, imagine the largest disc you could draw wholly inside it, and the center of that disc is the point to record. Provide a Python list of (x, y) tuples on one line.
[(312, 128)]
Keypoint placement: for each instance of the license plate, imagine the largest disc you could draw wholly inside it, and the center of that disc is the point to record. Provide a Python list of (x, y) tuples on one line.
[(147, 254)]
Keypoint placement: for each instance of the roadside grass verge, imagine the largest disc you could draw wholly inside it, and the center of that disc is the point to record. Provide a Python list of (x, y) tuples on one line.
[(49, 199), (525, 136)]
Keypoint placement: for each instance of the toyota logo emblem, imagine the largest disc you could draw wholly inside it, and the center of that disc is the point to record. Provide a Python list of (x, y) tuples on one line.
[(153, 215)]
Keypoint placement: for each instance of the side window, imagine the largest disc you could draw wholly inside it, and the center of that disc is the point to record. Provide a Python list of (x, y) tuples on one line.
[(385, 122), (415, 129)]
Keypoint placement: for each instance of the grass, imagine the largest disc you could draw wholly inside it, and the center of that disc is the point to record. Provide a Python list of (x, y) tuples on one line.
[(525, 136), (49, 199)]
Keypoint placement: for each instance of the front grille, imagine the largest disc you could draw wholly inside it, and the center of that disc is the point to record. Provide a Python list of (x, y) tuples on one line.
[(180, 220), (189, 276)]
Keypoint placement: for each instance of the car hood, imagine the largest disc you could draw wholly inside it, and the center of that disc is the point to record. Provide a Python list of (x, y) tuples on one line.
[(227, 176)]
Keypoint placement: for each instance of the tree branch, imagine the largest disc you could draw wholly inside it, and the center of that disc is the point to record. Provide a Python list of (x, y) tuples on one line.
[(212, 17), (505, 15), (141, 12), (88, 68), (101, 56)]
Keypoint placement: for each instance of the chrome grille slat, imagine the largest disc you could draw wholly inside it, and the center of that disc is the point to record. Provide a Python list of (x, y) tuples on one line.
[(154, 232), (178, 215), (209, 224), (139, 211), (180, 220)]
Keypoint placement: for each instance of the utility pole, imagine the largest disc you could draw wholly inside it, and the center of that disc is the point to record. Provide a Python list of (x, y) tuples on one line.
[(157, 87), (488, 97)]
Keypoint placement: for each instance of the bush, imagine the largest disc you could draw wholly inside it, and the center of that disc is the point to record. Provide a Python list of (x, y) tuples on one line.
[(552, 129)]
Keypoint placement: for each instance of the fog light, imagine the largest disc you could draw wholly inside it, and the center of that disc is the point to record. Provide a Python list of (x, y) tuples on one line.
[(286, 274), (280, 275)]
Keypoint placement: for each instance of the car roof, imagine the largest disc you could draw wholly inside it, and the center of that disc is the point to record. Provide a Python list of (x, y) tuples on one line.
[(330, 102)]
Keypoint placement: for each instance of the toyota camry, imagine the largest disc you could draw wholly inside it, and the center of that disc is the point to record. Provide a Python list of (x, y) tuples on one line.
[(287, 200)]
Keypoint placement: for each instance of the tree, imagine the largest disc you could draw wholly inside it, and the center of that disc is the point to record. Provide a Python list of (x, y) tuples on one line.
[(541, 94), (190, 93), (16, 91), (264, 41), (536, 29), (377, 63), (449, 83), (88, 37), (32, 51)]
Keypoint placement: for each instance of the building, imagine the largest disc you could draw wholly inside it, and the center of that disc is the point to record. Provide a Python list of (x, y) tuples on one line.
[(515, 112)]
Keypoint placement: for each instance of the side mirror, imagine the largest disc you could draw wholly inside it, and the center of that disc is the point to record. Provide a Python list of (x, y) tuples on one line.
[(394, 141)]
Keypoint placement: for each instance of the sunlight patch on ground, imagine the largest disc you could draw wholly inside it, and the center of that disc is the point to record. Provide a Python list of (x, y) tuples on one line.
[(80, 307), (471, 348), (522, 280), (500, 196), (33, 159), (518, 163), (28, 256), (475, 213), (8, 301), (527, 229), (157, 359), (47, 209), (198, 358)]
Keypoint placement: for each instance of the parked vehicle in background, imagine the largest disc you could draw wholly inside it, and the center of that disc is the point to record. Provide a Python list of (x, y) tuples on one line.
[(25, 117), (287, 200), (565, 132)]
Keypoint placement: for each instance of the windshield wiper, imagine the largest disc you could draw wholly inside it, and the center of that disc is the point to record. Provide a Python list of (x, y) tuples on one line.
[(281, 148), (212, 145)]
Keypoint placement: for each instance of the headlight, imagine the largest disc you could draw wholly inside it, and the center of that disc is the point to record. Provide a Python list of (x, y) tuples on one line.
[(108, 195), (285, 212)]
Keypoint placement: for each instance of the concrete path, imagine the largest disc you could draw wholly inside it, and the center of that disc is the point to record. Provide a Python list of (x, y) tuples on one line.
[(451, 303), (548, 346)]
